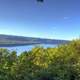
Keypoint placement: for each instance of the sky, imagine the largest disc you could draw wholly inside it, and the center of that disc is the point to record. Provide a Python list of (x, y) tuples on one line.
[(54, 19)]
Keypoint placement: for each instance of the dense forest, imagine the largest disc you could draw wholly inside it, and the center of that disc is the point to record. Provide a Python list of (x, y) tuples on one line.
[(59, 63)]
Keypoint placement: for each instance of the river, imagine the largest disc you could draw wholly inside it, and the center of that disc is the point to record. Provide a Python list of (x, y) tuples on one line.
[(20, 49)]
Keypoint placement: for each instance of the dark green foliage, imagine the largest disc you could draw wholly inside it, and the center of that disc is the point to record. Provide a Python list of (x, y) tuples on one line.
[(59, 63)]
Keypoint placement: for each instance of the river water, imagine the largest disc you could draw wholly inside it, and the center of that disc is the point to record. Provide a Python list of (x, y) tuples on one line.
[(20, 49)]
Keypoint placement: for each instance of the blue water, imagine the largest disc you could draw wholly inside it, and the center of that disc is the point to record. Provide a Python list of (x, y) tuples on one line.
[(20, 49)]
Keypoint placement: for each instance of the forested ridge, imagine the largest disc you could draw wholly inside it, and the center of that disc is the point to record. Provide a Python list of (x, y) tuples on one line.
[(11, 40), (59, 63)]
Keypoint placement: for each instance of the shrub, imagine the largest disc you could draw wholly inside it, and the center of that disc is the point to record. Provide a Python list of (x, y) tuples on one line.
[(59, 63)]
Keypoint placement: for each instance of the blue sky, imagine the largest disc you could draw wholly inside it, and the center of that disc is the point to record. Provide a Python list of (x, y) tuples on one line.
[(57, 19)]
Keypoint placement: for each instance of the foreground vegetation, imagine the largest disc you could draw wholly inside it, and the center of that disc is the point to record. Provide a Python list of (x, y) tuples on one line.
[(60, 63)]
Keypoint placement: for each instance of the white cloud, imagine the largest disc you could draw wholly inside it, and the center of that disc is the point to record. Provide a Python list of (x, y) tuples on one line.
[(66, 17)]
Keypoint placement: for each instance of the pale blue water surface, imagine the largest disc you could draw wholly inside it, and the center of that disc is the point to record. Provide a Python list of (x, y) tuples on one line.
[(20, 49)]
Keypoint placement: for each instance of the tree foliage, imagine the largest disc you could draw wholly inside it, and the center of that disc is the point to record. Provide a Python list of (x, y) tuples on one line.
[(59, 63)]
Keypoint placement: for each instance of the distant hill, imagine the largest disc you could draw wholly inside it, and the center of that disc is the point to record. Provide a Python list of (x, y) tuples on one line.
[(10, 40)]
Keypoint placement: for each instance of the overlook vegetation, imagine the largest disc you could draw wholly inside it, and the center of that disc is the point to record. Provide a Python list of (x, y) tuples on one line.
[(59, 63)]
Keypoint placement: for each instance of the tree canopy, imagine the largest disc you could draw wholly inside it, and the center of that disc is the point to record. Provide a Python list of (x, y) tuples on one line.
[(58, 63)]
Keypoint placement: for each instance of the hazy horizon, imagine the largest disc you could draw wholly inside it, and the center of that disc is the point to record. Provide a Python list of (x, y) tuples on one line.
[(54, 19)]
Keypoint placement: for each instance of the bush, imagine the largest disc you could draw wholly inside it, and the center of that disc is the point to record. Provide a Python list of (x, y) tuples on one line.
[(59, 63)]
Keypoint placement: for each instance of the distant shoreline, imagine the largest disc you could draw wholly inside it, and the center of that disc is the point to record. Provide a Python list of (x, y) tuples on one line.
[(15, 45), (13, 41)]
